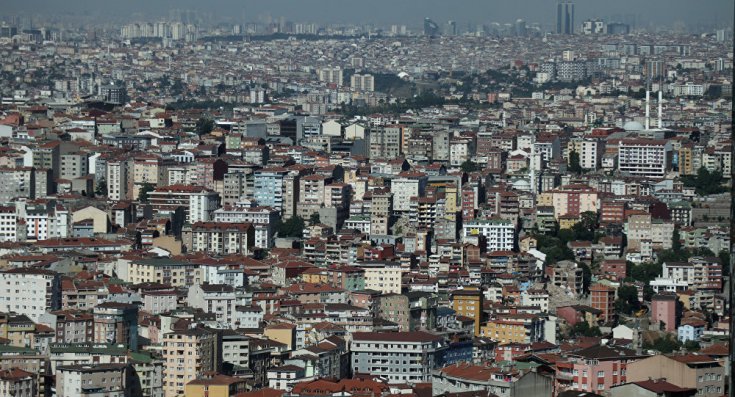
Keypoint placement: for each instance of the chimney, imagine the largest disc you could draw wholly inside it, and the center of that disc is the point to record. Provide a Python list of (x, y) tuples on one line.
[(660, 109), (648, 109)]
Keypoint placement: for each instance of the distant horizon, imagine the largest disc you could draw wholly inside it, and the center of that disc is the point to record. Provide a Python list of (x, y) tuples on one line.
[(649, 14)]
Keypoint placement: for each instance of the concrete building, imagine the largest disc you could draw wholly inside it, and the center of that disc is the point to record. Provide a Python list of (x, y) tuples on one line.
[(400, 357), (644, 157), (466, 377), (362, 82), (199, 203), (696, 371), (269, 187), (30, 291), (116, 323), (603, 299), (590, 152), (83, 380), (219, 238), (16, 382), (665, 311), (188, 355), (499, 234), (469, 303), (383, 276)]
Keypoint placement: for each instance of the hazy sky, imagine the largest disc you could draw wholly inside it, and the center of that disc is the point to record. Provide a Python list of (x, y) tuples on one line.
[(408, 12)]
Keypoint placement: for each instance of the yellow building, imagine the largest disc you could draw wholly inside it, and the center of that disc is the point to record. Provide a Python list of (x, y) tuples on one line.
[(686, 164), (215, 386), (164, 271), (468, 303), (505, 331), (187, 356), (567, 221), (315, 276), (283, 333)]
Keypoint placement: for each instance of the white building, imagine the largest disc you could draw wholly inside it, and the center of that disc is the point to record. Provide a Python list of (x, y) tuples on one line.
[(91, 380), (643, 157), (117, 180), (405, 187), (589, 150), (220, 299), (264, 220), (499, 233), (29, 291)]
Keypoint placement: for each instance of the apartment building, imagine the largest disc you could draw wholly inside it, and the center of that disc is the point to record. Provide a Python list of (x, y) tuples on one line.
[(269, 187), (499, 234), (85, 380), (199, 203), (219, 238), (695, 371), (16, 382), (263, 219), (644, 157), (163, 270), (188, 355), (385, 277), (30, 291), (406, 186), (399, 357), (590, 151)]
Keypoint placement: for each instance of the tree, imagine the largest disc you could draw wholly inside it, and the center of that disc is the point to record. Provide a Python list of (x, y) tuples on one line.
[(705, 182), (143, 192), (293, 227), (665, 345), (314, 218), (204, 126), (724, 256), (627, 302), (101, 188), (575, 165), (469, 166), (692, 346), (582, 328), (586, 277), (676, 240)]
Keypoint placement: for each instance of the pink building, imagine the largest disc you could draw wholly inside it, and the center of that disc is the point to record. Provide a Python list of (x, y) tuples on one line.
[(664, 310), (595, 369)]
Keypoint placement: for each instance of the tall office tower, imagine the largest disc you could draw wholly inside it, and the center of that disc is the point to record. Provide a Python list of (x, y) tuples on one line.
[(430, 27), (565, 17), (451, 28)]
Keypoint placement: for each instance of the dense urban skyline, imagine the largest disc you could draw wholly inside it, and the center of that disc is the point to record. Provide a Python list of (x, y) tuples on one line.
[(648, 14)]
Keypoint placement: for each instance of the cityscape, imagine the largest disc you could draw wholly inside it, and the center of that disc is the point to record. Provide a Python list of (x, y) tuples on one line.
[(358, 199)]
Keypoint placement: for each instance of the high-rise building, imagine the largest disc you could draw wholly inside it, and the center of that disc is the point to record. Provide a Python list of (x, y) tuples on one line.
[(188, 355), (430, 28), (565, 17)]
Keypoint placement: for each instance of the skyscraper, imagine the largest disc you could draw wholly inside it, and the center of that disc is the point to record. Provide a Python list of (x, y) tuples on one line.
[(430, 27), (565, 17)]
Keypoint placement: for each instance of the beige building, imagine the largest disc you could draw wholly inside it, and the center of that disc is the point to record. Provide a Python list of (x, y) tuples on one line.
[(219, 238), (383, 276), (100, 219), (163, 270), (690, 371), (187, 356), (641, 227), (570, 200)]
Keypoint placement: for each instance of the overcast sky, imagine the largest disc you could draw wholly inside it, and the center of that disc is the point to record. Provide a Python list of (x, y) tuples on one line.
[(408, 12)]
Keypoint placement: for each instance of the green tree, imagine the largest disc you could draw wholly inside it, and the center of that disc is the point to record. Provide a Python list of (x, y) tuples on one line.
[(293, 227), (101, 188), (582, 328), (676, 240), (692, 346), (469, 166), (575, 165), (724, 256), (143, 192), (586, 277), (314, 218), (665, 344), (204, 126), (705, 182), (627, 302)]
